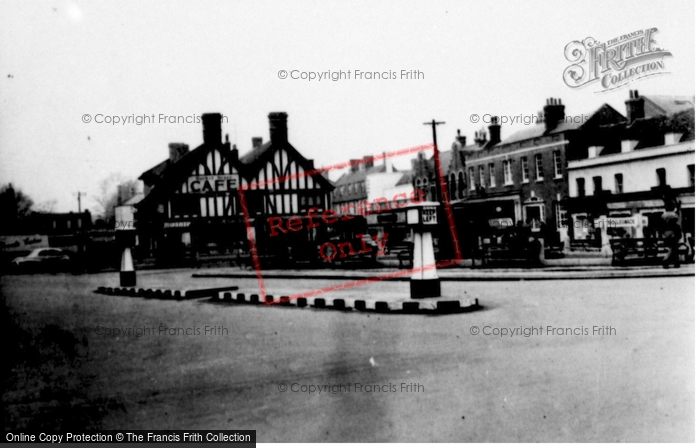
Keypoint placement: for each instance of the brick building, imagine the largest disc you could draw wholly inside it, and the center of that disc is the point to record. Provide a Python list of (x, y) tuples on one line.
[(497, 183)]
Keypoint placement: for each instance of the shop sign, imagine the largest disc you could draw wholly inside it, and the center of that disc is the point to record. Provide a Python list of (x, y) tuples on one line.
[(176, 225), (212, 184)]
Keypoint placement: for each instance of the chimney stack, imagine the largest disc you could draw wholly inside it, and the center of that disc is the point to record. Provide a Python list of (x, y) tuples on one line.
[(354, 165), (480, 137), (211, 128), (553, 113), (635, 106), (494, 131), (462, 139), (368, 162), (177, 150), (278, 127), (257, 141)]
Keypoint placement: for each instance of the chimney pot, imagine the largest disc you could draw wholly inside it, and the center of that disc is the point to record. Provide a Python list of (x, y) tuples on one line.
[(635, 107), (553, 114), (494, 131), (257, 141), (278, 127), (211, 128)]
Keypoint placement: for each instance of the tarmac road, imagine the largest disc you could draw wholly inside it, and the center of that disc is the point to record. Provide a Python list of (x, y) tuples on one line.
[(636, 384)]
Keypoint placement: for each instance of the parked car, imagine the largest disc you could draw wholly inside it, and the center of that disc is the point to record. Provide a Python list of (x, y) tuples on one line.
[(43, 259)]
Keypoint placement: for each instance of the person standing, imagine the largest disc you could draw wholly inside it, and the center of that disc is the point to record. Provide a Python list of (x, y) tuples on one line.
[(671, 233)]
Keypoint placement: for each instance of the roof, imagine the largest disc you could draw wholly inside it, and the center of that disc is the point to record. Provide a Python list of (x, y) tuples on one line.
[(135, 199), (667, 104), (361, 174), (155, 172), (539, 129), (256, 153), (406, 179)]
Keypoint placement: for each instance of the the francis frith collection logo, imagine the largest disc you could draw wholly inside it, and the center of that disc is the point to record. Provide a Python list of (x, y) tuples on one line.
[(616, 62)]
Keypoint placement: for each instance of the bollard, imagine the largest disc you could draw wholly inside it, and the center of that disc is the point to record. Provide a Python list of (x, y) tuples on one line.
[(127, 274)]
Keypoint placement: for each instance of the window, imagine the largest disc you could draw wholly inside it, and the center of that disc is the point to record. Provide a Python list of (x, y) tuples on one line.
[(472, 181), (597, 184), (539, 169), (525, 171), (558, 171), (661, 176), (619, 189), (581, 187), (453, 186), (507, 173), (461, 185), (691, 175), (482, 177), (492, 175), (560, 215)]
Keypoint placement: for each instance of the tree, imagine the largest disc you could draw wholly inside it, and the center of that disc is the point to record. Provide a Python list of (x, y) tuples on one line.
[(114, 190), (14, 207)]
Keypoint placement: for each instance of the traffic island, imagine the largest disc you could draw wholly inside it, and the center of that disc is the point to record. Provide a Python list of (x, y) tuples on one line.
[(409, 306), (165, 293)]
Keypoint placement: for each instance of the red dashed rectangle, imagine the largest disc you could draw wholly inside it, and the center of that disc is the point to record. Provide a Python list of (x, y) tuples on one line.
[(351, 284)]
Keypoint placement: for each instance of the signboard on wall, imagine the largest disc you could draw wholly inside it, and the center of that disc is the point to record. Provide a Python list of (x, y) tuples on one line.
[(23, 242), (212, 184)]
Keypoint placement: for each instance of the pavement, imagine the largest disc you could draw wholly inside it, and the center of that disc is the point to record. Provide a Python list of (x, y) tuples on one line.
[(459, 273)]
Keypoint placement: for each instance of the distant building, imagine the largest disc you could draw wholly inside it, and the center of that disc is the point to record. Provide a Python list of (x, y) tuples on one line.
[(643, 164), (364, 182)]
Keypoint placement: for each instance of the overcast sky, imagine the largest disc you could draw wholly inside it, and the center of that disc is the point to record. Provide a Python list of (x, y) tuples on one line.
[(60, 60)]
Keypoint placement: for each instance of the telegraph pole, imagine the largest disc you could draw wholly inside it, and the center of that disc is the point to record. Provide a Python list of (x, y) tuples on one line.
[(80, 194), (443, 197), (436, 159)]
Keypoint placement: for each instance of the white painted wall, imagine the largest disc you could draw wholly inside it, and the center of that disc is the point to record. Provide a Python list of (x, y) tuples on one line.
[(638, 168), (379, 183)]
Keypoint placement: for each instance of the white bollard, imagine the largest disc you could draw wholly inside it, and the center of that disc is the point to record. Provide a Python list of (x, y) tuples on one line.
[(127, 274), (424, 279)]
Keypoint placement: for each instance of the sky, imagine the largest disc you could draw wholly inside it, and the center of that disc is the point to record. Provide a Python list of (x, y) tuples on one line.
[(63, 60)]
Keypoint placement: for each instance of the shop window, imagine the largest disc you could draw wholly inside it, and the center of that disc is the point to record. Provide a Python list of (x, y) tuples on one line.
[(525, 171), (581, 187), (619, 188), (661, 177), (539, 167), (558, 169)]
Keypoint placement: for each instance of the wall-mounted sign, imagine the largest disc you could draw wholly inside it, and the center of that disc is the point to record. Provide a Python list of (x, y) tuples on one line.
[(429, 215), (23, 242), (176, 225), (212, 184)]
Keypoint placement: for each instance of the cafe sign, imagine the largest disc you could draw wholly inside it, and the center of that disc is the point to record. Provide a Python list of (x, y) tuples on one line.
[(212, 184)]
